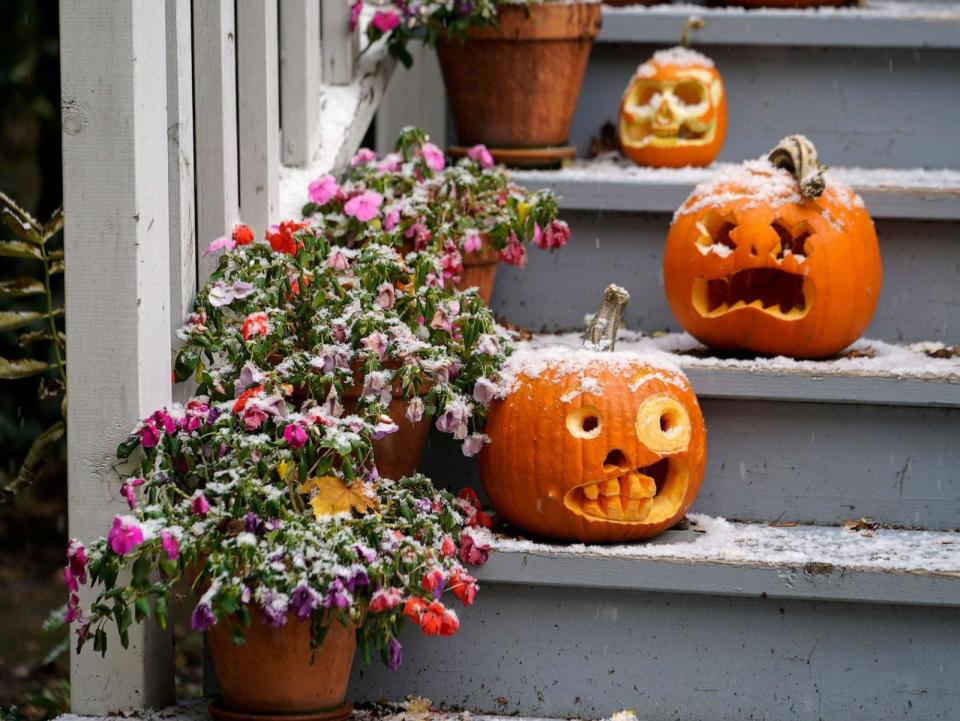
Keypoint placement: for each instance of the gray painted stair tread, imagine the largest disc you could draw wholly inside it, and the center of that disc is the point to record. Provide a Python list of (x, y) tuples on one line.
[(720, 557), (612, 183), (894, 375), (878, 24)]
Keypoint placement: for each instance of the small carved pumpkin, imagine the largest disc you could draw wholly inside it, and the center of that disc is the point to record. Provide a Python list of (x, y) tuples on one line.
[(674, 111), (594, 446), (774, 257)]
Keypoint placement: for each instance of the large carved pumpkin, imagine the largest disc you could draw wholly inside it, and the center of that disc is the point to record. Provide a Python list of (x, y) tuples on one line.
[(774, 257), (594, 445), (674, 111)]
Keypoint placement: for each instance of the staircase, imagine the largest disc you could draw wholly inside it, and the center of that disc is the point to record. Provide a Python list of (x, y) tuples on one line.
[(759, 618)]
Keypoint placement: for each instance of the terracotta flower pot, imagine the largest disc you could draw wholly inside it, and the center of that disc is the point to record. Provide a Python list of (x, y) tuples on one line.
[(517, 85), (271, 672), (480, 271)]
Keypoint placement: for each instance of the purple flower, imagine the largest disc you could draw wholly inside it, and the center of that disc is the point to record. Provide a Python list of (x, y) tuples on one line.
[(480, 154), (252, 522), (295, 435), (322, 189), (221, 294), (200, 506), (385, 426), (212, 415), (473, 444), (275, 607), (359, 577), (170, 545), (337, 595), (125, 535), (202, 617), (454, 418), (365, 553), (304, 600), (365, 206), (394, 654), (424, 505)]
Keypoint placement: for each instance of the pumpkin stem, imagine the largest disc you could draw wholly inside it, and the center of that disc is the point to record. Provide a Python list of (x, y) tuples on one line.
[(601, 332), (693, 23), (798, 155)]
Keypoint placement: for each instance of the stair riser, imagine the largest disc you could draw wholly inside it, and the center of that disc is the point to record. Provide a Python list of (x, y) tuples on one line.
[(918, 302), (586, 653), (861, 107), (809, 462)]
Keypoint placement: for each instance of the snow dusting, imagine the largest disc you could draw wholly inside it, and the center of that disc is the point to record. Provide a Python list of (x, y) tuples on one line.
[(871, 9), (677, 56), (723, 541)]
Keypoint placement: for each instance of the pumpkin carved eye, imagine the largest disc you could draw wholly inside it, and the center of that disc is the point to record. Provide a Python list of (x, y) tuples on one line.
[(663, 424), (584, 422)]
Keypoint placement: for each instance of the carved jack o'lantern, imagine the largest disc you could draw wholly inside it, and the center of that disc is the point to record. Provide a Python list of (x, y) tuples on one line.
[(674, 112), (774, 258), (594, 446)]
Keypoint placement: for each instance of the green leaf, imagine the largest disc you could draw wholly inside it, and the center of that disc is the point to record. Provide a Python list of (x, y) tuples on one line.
[(185, 364), (17, 249), (10, 319), (160, 609), (141, 608), (11, 370), (40, 451), (20, 222), (54, 225), (20, 287)]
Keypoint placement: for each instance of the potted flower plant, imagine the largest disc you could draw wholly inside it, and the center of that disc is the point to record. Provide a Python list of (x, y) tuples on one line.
[(470, 214), (265, 493), (512, 70)]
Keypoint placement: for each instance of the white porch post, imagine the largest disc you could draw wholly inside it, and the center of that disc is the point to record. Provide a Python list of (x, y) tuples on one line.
[(114, 97)]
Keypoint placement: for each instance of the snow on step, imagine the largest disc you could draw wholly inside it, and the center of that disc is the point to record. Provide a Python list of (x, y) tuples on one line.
[(723, 541)]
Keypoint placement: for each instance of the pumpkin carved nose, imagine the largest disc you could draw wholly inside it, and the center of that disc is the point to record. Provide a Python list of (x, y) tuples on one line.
[(664, 112), (615, 462)]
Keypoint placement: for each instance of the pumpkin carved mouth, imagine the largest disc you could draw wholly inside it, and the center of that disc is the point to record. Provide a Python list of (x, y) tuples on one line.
[(783, 295), (646, 495)]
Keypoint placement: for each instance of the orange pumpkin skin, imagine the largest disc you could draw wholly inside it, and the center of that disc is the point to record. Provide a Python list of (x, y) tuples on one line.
[(538, 469), (652, 135), (799, 277)]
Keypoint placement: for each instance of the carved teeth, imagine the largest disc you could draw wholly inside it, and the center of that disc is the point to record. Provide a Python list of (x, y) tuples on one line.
[(593, 508), (592, 491), (612, 507), (610, 488), (636, 486), (637, 510)]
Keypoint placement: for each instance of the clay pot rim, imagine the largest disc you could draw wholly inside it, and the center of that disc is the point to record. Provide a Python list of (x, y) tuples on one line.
[(537, 22)]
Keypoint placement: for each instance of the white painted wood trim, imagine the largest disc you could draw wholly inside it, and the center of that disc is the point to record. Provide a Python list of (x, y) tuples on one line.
[(114, 96), (215, 122), (415, 96), (259, 120), (299, 79), (180, 163), (339, 46)]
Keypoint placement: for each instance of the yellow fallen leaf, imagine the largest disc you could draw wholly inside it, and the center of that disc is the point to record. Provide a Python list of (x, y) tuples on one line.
[(283, 468), (334, 496)]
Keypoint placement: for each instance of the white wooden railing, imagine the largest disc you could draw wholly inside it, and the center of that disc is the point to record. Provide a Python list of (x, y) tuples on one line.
[(180, 117)]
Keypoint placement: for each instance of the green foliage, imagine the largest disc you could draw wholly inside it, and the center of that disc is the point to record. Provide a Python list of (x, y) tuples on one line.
[(38, 324)]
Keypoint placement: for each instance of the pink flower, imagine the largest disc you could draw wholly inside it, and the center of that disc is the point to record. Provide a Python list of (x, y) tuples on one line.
[(447, 547), (337, 259), (484, 391), (295, 435), (170, 545), (474, 443), (414, 410), (473, 243), (421, 235), (219, 244), (253, 417), (433, 156), (125, 535), (390, 163), (386, 295), (514, 254), (126, 490), (355, 14), (385, 20), (199, 506), (451, 263), (385, 599), (488, 345), (392, 220), (74, 612), (554, 236), (480, 154), (377, 342), (363, 156), (471, 551), (445, 316), (454, 418), (322, 189), (365, 206)]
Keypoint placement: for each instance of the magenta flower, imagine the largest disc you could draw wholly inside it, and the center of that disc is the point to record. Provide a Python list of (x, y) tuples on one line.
[(355, 14), (220, 244), (363, 156), (385, 20), (69, 581), (127, 491), (365, 206), (514, 254), (394, 654), (555, 235), (170, 545), (392, 220), (433, 156), (253, 417), (149, 435), (77, 560), (473, 243), (322, 189), (125, 535), (199, 506), (480, 154), (74, 612), (295, 435)]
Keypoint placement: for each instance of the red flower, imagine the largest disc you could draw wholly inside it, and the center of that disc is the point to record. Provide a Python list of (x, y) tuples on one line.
[(414, 608), (255, 324), (433, 581), (384, 600), (242, 399), (242, 235), (472, 552), (447, 548), (464, 587), (282, 240)]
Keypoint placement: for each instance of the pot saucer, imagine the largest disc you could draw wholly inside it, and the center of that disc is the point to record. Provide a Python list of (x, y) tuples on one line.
[(219, 713), (551, 156)]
